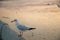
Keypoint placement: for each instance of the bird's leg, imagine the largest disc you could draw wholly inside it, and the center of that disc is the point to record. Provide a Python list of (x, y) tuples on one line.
[(32, 33), (21, 33)]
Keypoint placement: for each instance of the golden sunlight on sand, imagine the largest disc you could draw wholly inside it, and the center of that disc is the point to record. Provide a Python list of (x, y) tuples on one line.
[(45, 18)]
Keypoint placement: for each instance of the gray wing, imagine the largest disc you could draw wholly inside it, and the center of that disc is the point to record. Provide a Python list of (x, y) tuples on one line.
[(22, 27)]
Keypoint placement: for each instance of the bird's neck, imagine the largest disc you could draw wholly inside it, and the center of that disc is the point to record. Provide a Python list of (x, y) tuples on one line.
[(17, 23)]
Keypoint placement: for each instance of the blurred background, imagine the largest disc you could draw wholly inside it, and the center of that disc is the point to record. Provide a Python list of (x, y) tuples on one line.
[(44, 15), (27, 2)]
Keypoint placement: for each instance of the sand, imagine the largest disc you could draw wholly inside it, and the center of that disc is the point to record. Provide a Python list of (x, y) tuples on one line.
[(45, 18)]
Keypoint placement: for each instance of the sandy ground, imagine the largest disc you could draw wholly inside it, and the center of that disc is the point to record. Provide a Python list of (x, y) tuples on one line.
[(45, 18)]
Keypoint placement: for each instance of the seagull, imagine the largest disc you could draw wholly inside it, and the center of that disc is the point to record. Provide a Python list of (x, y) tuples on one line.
[(21, 27)]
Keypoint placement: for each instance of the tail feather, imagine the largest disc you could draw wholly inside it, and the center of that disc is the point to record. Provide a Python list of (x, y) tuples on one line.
[(31, 28)]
